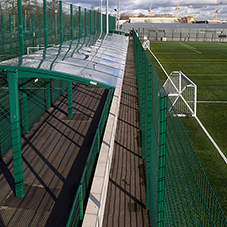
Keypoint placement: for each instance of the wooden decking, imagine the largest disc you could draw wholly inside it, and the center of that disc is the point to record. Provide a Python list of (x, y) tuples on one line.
[(54, 154), (126, 196)]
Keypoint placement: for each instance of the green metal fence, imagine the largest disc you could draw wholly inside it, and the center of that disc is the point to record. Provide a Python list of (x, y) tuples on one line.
[(79, 205), (178, 191), (42, 24)]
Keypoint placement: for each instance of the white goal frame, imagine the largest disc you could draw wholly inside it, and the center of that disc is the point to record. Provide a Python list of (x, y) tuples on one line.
[(176, 90)]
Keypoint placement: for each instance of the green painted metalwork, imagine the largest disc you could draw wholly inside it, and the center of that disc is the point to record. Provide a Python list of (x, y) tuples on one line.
[(85, 21), (11, 34), (62, 87), (71, 17), (81, 202), (95, 22), (91, 22), (70, 99), (161, 161), (12, 77), (177, 189), (80, 34), (20, 20), (84, 188), (48, 101), (61, 23), (45, 23), (25, 105), (3, 37)]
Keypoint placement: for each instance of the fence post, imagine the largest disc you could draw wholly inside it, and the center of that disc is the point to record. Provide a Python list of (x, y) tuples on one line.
[(95, 21), (161, 159), (98, 139), (61, 30), (3, 37), (85, 21), (81, 202), (62, 86), (20, 21), (45, 23), (12, 77), (90, 22), (48, 93), (80, 22), (70, 99), (25, 105), (33, 33), (11, 34), (71, 10)]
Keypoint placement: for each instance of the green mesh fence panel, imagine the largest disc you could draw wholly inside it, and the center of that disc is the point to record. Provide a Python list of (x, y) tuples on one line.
[(82, 22), (5, 125), (36, 105), (53, 22), (188, 199), (75, 22), (55, 90), (33, 25), (80, 201), (66, 14)]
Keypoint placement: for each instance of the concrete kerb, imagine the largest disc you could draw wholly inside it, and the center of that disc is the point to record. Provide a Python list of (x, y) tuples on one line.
[(97, 198)]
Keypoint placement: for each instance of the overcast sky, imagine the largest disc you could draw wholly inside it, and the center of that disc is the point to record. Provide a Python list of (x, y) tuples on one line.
[(200, 9)]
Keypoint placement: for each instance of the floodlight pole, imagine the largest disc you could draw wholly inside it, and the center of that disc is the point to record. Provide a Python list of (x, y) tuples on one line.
[(107, 18)]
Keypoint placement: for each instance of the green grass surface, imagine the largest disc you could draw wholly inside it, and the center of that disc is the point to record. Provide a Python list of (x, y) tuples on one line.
[(206, 65)]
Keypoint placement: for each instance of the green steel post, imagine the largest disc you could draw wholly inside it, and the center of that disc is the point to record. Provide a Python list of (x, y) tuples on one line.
[(62, 86), (95, 21), (80, 22), (70, 99), (98, 139), (81, 202), (48, 93), (85, 21), (148, 134), (143, 34), (11, 34), (61, 29), (3, 37), (25, 105), (20, 21), (138, 32), (161, 161), (12, 77), (90, 22), (45, 23), (71, 11), (33, 33)]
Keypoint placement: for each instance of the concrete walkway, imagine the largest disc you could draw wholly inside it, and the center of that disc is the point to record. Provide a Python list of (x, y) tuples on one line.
[(126, 196)]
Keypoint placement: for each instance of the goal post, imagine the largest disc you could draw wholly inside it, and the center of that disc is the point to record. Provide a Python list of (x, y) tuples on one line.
[(182, 93)]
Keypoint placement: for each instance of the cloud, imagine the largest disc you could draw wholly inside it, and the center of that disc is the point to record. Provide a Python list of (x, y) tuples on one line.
[(200, 9)]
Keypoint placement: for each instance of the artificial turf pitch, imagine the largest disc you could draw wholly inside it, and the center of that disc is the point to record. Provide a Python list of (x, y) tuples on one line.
[(206, 65)]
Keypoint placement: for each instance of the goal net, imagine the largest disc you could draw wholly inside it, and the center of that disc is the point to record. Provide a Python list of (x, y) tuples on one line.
[(182, 93)]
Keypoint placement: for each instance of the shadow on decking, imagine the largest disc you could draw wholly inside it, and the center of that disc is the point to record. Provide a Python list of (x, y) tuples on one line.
[(54, 155)]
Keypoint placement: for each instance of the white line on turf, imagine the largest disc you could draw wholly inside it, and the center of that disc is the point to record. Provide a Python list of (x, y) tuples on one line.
[(159, 63), (187, 45), (212, 101), (204, 129), (211, 139)]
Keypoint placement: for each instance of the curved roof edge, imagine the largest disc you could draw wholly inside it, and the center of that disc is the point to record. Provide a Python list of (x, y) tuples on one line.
[(97, 59)]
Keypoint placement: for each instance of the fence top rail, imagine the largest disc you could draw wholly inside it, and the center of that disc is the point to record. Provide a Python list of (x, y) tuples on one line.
[(97, 59)]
